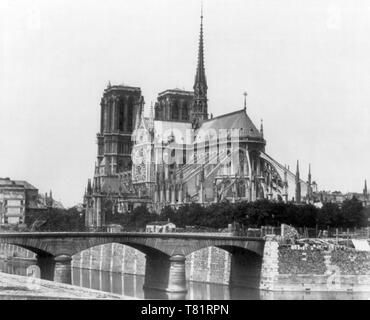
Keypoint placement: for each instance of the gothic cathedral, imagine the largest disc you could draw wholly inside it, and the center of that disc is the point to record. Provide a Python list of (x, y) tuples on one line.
[(180, 155)]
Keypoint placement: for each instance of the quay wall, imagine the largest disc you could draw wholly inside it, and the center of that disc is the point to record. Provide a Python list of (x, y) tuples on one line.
[(314, 268)]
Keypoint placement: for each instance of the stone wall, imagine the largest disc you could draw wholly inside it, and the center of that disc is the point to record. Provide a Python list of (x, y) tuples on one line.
[(7, 250), (210, 265), (314, 268), (112, 258)]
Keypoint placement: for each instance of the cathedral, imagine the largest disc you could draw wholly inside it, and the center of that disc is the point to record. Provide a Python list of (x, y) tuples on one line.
[(180, 154)]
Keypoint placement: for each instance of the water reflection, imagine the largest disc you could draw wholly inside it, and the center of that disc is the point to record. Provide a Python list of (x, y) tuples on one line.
[(132, 286)]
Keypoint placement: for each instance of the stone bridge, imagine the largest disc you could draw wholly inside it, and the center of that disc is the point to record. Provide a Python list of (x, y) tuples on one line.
[(165, 253)]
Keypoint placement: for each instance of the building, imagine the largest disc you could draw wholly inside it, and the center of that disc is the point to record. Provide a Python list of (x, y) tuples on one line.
[(338, 197), (180, 154), (160, 227), (16, 198)]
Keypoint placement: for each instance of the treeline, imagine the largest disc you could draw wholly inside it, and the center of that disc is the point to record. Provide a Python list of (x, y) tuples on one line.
[(263, 213), (216, 216), (250, 214), (55, 219)]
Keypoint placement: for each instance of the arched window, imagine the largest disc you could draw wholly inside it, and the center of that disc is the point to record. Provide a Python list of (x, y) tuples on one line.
[(185, 111), (120, 114), (156, 112), (175, 110), (130, 106)]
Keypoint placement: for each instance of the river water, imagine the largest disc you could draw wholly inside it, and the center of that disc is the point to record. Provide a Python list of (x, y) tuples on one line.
[(132, 286)]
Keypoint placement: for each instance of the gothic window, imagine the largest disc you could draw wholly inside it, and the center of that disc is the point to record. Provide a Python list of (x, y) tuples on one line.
[(120, 114), (102, 119), (175, 110), (130, 115), (109, 115), (185, 112)]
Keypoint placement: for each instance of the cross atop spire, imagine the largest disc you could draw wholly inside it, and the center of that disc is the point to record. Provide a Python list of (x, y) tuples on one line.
[(245, 100)]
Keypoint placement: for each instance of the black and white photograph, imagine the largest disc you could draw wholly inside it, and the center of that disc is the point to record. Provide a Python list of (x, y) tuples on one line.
[(202, 151)]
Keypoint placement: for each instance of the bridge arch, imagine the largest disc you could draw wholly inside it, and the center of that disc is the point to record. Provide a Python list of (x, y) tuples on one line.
[(48, 247), (227, 245)]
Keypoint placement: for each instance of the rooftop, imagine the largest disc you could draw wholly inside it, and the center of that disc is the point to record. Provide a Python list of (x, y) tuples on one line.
[(234, 120), (7, 182), (158, 223), (176, 91), (122, 87)]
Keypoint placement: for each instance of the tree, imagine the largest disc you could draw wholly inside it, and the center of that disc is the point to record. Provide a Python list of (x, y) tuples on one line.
[(55, 219), (329, 215), (140, 217), (353, 213)]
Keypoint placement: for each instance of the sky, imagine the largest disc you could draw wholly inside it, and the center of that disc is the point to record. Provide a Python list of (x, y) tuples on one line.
[(304, 64)]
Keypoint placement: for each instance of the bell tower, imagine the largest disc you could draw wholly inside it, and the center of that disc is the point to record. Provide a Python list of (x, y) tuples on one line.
[(121, 107)]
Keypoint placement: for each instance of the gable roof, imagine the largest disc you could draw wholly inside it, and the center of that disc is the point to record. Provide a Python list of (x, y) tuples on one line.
[(234, 120)]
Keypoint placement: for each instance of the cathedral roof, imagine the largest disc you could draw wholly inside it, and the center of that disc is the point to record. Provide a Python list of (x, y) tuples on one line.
[(234, 120)]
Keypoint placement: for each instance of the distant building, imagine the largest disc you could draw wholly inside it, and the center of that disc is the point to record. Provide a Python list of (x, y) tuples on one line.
[(338, 197), (160, 227), (16, 198), (114, 228)]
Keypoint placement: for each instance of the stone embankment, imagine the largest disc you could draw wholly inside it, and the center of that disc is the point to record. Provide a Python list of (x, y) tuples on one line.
[(314, 267), (14, 287)]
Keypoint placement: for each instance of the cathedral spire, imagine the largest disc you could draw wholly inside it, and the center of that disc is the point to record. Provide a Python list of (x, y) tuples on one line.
[(200, 108), (365, 190), (309, 184), (200, 84), (261, 130), (297, 185)]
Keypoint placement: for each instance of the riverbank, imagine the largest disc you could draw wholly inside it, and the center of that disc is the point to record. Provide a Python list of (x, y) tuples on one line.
[(14, 287)]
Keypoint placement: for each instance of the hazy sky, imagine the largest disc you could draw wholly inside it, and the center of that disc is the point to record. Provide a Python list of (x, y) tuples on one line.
[(304, 64)]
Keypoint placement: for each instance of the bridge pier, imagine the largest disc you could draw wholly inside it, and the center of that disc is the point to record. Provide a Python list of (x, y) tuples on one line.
[(63, 269), (165, 273), (57, 269), (46, 265)]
